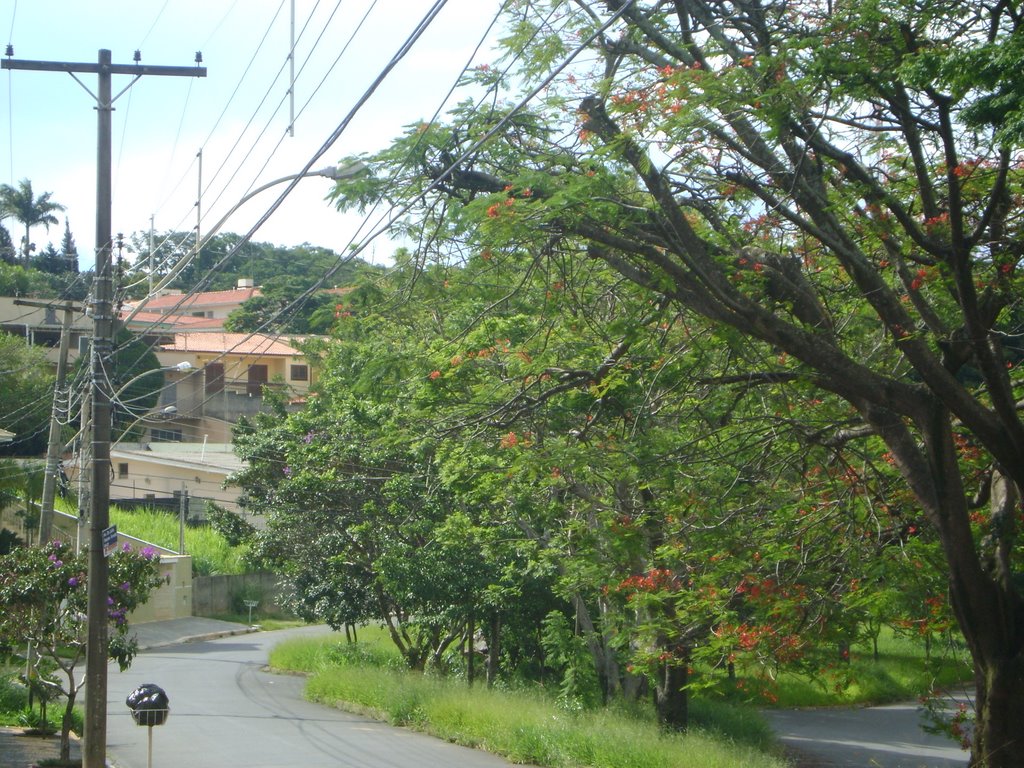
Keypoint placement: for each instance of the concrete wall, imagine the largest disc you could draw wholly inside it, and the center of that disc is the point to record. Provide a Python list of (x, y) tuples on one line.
[(180, 595), (215, 595)]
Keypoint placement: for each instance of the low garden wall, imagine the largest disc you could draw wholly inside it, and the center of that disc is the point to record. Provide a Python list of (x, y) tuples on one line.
[(171, 600), (219, 595)]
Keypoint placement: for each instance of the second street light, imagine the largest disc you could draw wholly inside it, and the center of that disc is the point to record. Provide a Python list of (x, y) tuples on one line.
[(115, 398), (330, 172)]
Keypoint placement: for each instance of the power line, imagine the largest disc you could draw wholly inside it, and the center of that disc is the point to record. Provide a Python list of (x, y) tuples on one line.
[(398, 56)]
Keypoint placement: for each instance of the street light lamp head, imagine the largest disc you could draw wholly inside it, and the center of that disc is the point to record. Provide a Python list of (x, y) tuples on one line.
[(345, 172), (183, 366)]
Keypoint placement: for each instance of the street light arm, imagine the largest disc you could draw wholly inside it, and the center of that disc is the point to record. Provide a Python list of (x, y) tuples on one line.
[(330, 172), (181, 367)]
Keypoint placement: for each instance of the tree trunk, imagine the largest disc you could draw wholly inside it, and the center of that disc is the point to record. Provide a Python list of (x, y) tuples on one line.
[(67, 722), (604, 658), (987, 605), (671, 700), (493, 650), (471, 657), (998, 739)]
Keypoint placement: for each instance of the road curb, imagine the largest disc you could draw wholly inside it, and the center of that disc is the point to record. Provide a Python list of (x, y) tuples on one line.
[(199, 638)]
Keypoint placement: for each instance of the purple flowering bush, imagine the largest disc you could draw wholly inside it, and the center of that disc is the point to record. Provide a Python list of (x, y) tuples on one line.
[(44, 600)]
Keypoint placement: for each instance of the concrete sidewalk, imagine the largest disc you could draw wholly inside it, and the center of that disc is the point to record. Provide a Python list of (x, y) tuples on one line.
[(18, 750), (155, 634)]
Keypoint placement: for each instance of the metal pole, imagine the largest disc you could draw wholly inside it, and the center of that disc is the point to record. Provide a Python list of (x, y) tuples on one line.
[(152, 217), (182, 507)]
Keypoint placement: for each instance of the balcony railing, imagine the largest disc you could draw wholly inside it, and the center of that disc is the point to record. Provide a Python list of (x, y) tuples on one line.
[(237, 398)]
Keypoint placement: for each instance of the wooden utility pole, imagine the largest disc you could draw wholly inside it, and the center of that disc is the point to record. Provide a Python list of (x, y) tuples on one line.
[(53, 443), (95, 731)]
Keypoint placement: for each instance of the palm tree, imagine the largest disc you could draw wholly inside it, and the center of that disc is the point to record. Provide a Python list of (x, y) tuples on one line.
[(21, 204)]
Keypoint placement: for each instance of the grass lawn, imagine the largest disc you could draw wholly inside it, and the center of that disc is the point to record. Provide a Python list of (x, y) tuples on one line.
[(524, 726), (901, 673), (211, 554), (527, 726)]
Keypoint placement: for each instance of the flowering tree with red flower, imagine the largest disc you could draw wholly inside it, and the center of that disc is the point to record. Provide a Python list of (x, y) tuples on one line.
[(784, 173)]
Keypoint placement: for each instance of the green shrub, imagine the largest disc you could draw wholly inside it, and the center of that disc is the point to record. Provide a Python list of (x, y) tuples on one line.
[(243, 593), (235, 529)]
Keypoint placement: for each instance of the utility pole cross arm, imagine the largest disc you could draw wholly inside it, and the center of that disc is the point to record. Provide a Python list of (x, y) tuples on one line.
[(95, 68)]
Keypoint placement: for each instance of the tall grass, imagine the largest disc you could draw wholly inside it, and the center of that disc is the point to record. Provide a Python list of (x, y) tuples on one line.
[(211, 554), (524, 726)]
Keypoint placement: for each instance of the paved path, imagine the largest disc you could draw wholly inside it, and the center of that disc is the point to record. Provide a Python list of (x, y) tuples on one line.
[(18, 750)]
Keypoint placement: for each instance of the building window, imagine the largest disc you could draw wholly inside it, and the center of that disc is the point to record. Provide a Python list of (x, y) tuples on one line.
[(300, 373), (122, 470)]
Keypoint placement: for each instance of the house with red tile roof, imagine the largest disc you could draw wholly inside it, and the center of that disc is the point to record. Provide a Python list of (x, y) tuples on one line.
[(229, 375), (203, 310)]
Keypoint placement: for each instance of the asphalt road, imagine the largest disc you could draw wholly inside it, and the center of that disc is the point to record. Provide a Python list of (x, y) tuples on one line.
[(226, 712), (866, 737)]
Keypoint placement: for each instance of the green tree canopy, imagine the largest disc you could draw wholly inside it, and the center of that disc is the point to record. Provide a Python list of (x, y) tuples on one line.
[(224, 259), (25, 374), (828, 190)]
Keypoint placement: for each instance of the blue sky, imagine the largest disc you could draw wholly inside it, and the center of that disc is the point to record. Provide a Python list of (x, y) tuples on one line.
[(48, 128)]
